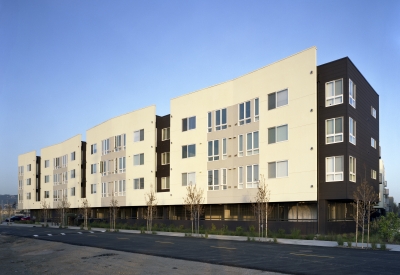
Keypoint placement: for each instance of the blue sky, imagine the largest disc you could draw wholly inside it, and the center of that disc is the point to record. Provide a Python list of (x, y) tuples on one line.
[(66, 66)]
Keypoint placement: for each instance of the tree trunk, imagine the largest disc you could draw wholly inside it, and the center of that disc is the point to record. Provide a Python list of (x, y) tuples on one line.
[(357, 224)]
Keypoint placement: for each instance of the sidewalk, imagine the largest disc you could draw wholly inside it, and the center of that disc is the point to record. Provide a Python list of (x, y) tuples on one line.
[(390, 247)]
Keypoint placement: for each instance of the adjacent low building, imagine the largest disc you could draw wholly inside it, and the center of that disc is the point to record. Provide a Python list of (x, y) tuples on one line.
[(309, 132)]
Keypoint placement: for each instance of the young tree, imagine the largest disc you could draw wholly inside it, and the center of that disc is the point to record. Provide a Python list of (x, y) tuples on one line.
[(63, 206), (151, 202), (84, 210), (365, 198), (261, 207), (114, 207), (194, 204), (45, 210)]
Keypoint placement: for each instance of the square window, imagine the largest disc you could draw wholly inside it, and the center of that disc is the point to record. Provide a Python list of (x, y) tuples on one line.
[(277, 134), (334, 130), (138, 183), (188, 179), (138, 135), (138, 159), (334, 168), (188, 123), (278, 99), (188, 151)]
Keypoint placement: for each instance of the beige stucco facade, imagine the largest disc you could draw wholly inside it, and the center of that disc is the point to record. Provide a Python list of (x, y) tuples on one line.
[(125, 126), (62, 175), (27, 181), (297, 74)]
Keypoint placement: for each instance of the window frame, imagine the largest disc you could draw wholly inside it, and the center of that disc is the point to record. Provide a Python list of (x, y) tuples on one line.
[(73, 156), (165, 183), (256, 109), (373, 112), (334, 135), (352, 93), (246, 119), (334, 96), (241, 143), (373, 174), (140, 158), (240, 177), (276, 133), (186, 125), (121, 165), (254, 180), (93, 148), (224, 148), (334, 173), (276, 169), (352, 172), (47, 163), (186, 174), (72, 174), (209, 122), (352, 131), (93, 188), (140, 138), (275, 96), (215, 177), (373, 143), (165, 133), (253, 150), (219, 125), (187, 151), (214, 150), (165, 158)]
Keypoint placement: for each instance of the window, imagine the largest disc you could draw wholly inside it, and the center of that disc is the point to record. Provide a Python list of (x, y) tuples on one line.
[(46, 179), (373, 143), (93, 188), (93, 149), (278, 169), (20, 170), (352, 169), (105, 167), (220, 119), (57, 195), (138, 159), (352, 131), (256, 109), (188, 123), (352, 93), (73, 156), (224, 180), (213, 150), (209, 123), (334, 169), (28, 196), (93, 168), (28, 181), (119, 188), (240, 177), (46, 163), (56, 179), (213, 180), (20, 184), (278, 99), (240, 145), (104, 187), (244, 113), (64, 160), (72, 173), (121, 165), (373, 112), (165, 183), (138, 135), (28, 168), (252, 144), (105, 147), (72, 191), (56, 163), (138, 183), (165, 158), (252, 176), (188, 151), (120, 142), (277, 134), (165, 134), (334, 130), (333, 93), (188, 179), (65, 177), (373, 174), (46, 194), (224, 155)]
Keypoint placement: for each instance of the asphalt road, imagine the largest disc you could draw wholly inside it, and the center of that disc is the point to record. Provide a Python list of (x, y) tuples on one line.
[(291, 259)]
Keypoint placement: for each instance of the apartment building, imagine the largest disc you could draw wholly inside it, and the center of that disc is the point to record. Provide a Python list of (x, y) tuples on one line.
[(296, 126), (383, 205), (28, 180)]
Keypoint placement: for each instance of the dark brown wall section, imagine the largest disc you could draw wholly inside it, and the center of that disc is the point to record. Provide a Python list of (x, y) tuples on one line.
[(83, 169), (38, 185), (162, 147), (367, 126)]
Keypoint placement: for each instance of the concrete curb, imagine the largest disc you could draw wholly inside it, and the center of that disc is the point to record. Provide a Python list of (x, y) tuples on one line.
[(390, 247)]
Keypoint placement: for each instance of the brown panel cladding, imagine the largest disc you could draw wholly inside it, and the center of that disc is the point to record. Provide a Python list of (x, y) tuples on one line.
[(367, 126), (163, 146), (38, 186), (83, 169)]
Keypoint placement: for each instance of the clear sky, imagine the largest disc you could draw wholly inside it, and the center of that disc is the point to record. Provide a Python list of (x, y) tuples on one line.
[(66, 66)]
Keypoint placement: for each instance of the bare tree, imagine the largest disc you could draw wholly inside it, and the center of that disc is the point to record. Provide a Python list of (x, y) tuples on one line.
[(63, 206), (365, 198), (9, 210), (84, 210), (45, 211), (194, 204), (261, 207), (151, 202), (114, 207)]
